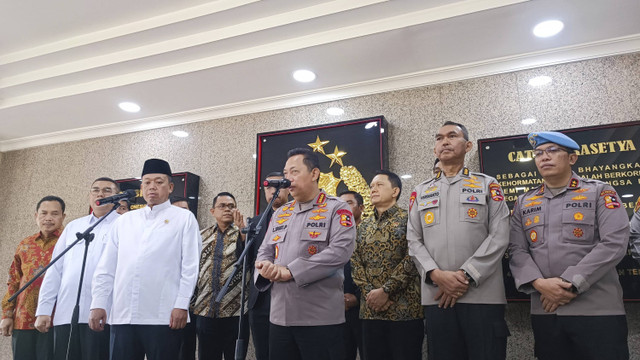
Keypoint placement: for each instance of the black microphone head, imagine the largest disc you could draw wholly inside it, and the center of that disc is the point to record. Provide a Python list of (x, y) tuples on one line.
[(286, 183), (131, 193)]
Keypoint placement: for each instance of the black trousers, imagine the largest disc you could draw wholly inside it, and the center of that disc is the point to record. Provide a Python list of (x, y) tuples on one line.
[(217, 337), (259, 321), (32, 345), (92, 345), (133, 342), (392, 340), (188, 344), (580, 337), (306, 342), (352, 335), (466, 332)]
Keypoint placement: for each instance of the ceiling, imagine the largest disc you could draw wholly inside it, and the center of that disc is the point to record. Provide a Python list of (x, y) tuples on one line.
[(65, 66)]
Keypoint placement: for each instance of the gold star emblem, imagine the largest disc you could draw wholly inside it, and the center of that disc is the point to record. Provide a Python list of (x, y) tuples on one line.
[(318, 145), (329, 183), (336, 156)]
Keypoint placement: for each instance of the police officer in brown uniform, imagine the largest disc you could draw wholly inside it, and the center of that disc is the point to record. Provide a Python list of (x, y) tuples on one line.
[(567, 236), (458, 232), (302, 257)]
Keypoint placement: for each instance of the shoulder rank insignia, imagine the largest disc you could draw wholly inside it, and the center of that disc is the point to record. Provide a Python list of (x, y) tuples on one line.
[(321, 198), (573, 183), (412, 199)]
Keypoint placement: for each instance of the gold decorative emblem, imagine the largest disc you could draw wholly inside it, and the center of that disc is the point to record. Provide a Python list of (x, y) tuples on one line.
[(318, 145)]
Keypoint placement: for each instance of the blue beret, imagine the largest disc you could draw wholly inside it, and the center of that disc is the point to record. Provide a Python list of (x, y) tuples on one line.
[(538, 138)]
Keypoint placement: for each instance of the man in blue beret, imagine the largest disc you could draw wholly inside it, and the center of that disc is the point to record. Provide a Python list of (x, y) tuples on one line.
[(567, 235)]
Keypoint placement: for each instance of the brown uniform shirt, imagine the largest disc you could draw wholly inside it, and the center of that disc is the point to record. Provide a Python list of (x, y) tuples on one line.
[(579, 235), (314, 240)]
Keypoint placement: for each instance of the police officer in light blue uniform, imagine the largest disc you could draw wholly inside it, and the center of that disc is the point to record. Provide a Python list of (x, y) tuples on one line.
[(567, 235)]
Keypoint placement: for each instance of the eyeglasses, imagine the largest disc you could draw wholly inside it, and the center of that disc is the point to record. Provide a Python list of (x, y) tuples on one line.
[(106, 191), (228, 206), (551, 151)]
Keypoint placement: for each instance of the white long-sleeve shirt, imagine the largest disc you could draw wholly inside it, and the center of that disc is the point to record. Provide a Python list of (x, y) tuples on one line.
[(150, 265), (60, 285)]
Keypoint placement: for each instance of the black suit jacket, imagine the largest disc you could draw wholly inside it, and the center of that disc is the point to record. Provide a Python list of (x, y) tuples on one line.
[(252, 254)]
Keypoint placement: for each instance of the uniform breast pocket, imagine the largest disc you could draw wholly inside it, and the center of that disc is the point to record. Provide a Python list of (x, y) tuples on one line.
[(429, 212), (577, 225), (313, 241), (533, 226), (473, 208)]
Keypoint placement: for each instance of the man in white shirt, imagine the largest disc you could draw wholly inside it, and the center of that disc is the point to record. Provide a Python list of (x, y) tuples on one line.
[(60, 285), (150, 267)]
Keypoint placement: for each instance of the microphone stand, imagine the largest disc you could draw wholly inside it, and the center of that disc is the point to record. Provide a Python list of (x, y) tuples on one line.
[(88, 237), (242, 260)]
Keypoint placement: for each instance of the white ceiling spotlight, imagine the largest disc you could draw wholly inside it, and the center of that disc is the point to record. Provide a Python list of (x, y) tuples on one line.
[(528, 121), (627, 195), (304, 75), (548, 28), (370, 125), (406, 176), (129, 106), (180, 133), (335, 111), (541, 80)]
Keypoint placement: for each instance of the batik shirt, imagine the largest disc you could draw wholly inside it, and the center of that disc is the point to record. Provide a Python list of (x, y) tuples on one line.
[(381, 260), (33, 254)]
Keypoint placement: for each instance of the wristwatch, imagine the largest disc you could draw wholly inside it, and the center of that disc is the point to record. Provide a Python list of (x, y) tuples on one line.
[(471, 281)]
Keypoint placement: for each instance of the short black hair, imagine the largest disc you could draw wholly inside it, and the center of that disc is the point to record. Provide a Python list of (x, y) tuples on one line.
[(109, 180), (51, 198), (394, 179), (224, 193), (274, 174), (355, 194), (310, 158), (465, 132), (175, 199)]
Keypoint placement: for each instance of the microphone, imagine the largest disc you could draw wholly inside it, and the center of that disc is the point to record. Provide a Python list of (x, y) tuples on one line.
[(281, 183), (116, 198)]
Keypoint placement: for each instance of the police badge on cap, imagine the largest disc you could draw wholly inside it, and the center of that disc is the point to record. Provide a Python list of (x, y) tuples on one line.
[(156, 166), (538, 138)]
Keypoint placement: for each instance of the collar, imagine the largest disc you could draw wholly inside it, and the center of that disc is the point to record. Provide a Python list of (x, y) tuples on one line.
[(464, 172), (574, 183), (56, 234), (158, 208), (93, 219), (229, 230), (387, 213), (319, 201)]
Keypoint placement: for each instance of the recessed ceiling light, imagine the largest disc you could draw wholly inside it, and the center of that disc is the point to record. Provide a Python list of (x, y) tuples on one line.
[(540, 81), (406, 176), (335, 111), (370, 125), (180, 133), (548, 28), (627, 195), (129, 106), (304, 75), (528, 121)]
